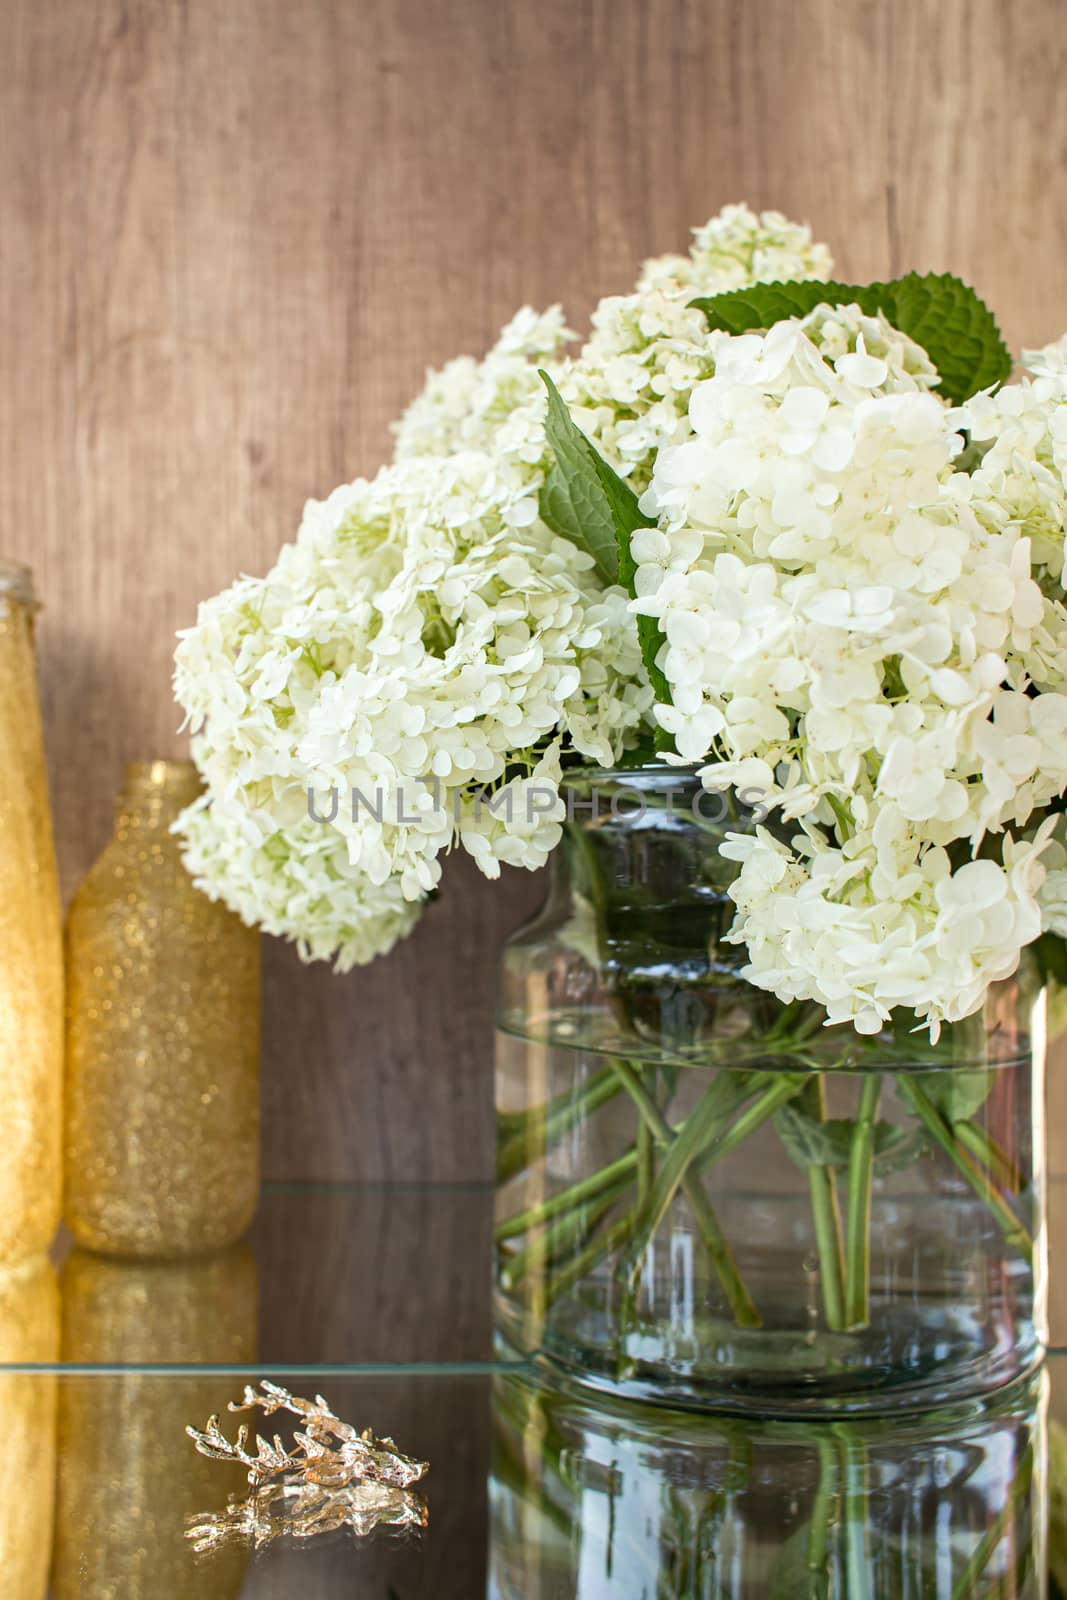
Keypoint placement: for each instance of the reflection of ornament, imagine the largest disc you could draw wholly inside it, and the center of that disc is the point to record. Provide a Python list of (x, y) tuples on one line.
[(162, 1122), (333, 1476), (299, 1511)]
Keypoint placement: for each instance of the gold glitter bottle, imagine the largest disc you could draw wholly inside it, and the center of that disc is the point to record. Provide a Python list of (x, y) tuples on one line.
[(162, 1117), (31, 946)]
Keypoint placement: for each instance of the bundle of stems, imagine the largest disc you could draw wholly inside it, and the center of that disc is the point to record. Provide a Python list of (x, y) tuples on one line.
[(613, 1214)]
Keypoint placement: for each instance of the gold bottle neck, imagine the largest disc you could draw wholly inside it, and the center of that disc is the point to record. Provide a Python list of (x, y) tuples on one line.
[(16, 586), (156, 791)]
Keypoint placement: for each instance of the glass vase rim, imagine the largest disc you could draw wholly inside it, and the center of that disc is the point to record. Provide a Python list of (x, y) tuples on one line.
[(960, 1415), (591, 772)]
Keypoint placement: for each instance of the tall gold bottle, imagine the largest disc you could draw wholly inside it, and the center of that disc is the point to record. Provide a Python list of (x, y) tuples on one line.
[(31, 947), (162, 1116)]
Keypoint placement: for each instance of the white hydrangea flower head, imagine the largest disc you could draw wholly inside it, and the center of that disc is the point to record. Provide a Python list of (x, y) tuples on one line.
[(1053, 901), (848, 627), (298, 884), (464, 405), (423, 636), (738, 247), (1048, 361), (520, 823), (629, 389), (1022, 479), (1052, 896), (882, 923)]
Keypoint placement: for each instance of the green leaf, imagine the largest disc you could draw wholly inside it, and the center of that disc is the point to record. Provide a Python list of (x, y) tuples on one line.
[(808, 1142), (957, 1092), (813, 1143), (583, 499), (573, 500), (898, 1153), (942, 313)]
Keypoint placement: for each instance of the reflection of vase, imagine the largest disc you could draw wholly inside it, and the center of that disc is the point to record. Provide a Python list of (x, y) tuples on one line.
[(29, 1333), (617, 1501), (128, 1475), (162, 1135), (31, 948), (706, 1196)]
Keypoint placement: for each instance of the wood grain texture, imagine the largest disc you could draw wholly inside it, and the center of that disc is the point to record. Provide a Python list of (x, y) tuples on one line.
[(235, 233)]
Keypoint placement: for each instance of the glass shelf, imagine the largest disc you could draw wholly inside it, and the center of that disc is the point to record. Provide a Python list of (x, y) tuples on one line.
[(378, 1297), (532, 1494)]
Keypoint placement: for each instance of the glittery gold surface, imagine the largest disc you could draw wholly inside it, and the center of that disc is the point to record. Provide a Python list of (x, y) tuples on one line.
[(127, 1477), (162, 1116), (31, 958), (29, 1332)]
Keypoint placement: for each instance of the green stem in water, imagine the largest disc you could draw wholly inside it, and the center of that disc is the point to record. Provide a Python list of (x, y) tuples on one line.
[(984, 1148), (826, 1216), (600, 1245), (646, 1150), (971, 1170), (822, 1509), (782, 1087), (860, 1181), (525, 1135), (568, 1199), (563, 1236), (855, 1512), (674, 1173)]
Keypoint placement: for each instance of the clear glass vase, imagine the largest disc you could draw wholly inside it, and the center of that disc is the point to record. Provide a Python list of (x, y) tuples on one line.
[(708, 1197)]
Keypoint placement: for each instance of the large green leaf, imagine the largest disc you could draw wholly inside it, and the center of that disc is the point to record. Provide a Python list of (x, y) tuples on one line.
[(573, 500), (942, 313), (583, 499)]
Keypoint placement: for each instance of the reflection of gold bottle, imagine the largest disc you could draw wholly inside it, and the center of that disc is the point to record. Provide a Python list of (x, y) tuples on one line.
[(29, 1332), (31, 951), (128, 1475), (162, 1134)]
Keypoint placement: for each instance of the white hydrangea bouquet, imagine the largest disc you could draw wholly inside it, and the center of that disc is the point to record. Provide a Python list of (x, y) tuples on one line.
[(806, 537), (834, 573)]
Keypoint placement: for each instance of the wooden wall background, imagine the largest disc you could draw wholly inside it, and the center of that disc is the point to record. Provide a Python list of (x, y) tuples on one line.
[(233, 233)]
